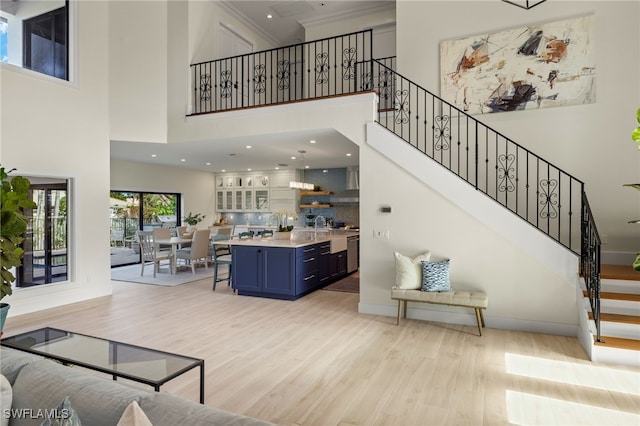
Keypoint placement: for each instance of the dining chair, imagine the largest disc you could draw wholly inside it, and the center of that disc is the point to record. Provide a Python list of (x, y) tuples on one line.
[(151, 254), (161, 233), (221, 256), (180, 230), (198, 252)]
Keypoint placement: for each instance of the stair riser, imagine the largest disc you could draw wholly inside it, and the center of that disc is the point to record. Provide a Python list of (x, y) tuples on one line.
[(602, 354), (620, 286), (622, 307), (618, 329)]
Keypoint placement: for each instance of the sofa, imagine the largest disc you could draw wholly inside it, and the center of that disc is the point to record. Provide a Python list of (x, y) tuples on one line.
[(41, 384)]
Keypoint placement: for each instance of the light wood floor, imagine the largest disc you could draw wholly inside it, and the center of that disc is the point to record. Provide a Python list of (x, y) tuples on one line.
[(316, 361)]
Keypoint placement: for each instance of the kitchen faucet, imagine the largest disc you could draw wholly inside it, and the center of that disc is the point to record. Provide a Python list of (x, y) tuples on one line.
[(315, 223)]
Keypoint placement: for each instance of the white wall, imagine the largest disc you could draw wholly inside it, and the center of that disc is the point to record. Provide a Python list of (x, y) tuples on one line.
[(530, 279), (55, 128), (137, 69), (592, 142), (315, 30), (197, 188)]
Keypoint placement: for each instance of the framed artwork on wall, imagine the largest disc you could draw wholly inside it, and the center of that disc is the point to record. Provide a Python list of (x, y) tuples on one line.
[(528, 67)]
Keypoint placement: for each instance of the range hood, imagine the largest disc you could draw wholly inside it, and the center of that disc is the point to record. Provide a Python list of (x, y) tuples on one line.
[(352, 194)]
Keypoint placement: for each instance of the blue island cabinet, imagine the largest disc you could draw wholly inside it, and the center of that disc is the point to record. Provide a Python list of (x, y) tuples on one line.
[(275, 272)]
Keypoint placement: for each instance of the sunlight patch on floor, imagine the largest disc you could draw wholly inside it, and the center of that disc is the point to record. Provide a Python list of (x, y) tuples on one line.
[(528, 409), (591, 376)]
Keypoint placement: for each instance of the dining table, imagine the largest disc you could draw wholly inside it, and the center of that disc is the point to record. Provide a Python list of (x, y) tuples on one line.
[(174, 243)]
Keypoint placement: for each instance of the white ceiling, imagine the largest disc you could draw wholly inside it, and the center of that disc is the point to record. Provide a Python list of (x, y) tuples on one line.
[(266, 153), (330, 149)]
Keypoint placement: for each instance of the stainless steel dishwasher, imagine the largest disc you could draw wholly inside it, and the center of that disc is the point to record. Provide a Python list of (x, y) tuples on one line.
[(353, 243)]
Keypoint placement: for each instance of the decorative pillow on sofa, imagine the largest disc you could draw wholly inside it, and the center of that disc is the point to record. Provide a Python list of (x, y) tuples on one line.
[(408, 270), (134, 416), (435, 276), (6, 396), (62, 415)]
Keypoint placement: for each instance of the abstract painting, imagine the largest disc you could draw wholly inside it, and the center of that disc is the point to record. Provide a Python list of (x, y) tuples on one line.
[(531, 67)]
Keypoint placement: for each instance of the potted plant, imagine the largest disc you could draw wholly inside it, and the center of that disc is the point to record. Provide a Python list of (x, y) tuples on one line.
[(193, 219), (14, 196), (284, 229)]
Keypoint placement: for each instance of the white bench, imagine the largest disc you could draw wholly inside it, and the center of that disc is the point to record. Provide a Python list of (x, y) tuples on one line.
[(471, 299)]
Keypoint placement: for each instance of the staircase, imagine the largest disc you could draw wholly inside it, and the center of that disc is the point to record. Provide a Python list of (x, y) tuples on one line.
[(533, 189), (619, 316)]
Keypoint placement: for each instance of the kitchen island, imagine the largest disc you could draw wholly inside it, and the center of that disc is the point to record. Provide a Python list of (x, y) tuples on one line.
[(287, 269)]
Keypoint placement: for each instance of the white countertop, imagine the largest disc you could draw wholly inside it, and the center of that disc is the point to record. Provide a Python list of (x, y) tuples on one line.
[(271, 242)]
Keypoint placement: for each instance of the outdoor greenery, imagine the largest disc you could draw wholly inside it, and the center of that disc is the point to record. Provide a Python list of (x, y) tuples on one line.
[(14, 196), (193, 219)]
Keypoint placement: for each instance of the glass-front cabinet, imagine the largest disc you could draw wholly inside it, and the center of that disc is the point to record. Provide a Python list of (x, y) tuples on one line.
[(252, 193), (262, 199)]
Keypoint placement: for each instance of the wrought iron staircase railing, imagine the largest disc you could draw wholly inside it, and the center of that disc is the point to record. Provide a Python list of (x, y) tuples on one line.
[(536, 190), (542, 194)]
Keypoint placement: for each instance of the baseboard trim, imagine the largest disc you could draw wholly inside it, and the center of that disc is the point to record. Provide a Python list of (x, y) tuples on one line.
[(515, 324)]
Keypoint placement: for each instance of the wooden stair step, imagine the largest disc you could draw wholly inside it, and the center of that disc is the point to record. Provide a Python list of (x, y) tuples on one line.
[(619, 343), (619, 272), (616, 296), (627, 319)]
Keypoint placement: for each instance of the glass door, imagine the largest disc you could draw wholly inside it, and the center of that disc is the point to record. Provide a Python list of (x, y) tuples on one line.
[(46, 244), (131, 211)]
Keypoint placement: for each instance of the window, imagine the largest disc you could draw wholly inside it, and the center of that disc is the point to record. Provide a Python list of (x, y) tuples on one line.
[(35, 35), (4, 29), (45, 43)]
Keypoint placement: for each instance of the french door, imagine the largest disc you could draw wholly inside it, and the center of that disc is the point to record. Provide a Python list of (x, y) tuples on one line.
[(46, 240)]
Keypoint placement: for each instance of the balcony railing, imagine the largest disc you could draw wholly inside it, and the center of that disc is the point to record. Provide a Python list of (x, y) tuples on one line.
[(310, 70)]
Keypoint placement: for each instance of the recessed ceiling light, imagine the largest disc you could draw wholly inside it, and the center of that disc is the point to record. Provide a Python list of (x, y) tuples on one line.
[(249, 147), (312, 141), (183, 159), (248, 170), (269, 16), (277, 168), (348, 155), (223, 170), (293, 158), (306, 167), (208, 164), (153, 155)]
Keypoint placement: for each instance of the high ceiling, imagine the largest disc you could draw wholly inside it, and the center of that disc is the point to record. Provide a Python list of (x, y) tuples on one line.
[(268, 151)]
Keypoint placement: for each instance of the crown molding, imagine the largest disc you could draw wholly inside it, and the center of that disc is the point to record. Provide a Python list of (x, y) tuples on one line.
[(230, 9), (327, 19)]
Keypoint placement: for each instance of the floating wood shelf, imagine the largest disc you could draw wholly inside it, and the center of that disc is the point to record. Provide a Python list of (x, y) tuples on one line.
[(314, 206), (315, 193)]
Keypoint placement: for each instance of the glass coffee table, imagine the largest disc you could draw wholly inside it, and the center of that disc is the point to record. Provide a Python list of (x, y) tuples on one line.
[(143, 365)]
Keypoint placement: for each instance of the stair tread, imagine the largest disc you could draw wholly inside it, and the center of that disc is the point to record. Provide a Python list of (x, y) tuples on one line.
[(616, 296), (619, 272), (619, 342), (627, 319)]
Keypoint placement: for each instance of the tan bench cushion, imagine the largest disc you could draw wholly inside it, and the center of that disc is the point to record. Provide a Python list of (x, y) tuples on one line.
[(474, 299)]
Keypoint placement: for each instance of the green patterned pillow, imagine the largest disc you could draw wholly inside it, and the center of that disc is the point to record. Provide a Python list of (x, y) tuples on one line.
[(62, 415), (435, 276)]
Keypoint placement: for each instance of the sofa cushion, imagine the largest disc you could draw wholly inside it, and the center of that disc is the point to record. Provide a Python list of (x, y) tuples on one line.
[(62, 414), (12, 360), (167, 409), (98, 400), (6, 396), (134, 416)]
